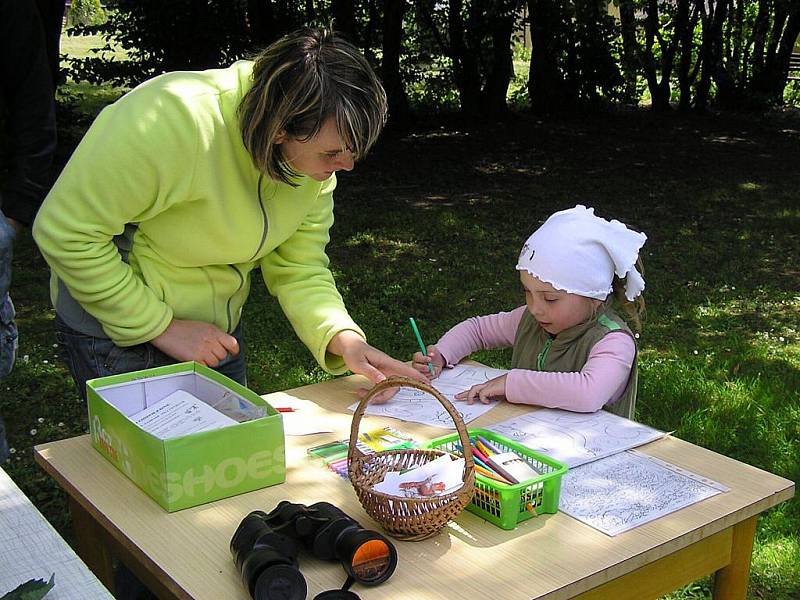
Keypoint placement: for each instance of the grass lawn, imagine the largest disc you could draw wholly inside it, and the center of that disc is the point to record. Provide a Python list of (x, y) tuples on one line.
[(430, 225), (81, 46)]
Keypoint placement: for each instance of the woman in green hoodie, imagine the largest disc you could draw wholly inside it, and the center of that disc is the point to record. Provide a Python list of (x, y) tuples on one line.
[(189, 182)]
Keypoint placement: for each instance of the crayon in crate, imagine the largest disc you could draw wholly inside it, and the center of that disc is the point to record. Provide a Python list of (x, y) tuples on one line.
[(512, 482), (334, 454)]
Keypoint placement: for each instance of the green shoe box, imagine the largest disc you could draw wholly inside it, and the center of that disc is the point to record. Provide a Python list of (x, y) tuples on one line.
[(192, 469)]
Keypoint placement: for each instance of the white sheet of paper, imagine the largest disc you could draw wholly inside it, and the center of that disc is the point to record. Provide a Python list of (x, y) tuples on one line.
[(298, 423), (626, 490), (411, 404), (576, 438), (180, 413), (442, 470), (31, 549)]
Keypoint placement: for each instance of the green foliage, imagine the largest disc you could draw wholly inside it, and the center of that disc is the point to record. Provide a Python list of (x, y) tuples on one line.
[(581, 63), (34, 589), (430, 87), (791, 94), (86, 12), (576, 66), (163, 36), (521, 52)]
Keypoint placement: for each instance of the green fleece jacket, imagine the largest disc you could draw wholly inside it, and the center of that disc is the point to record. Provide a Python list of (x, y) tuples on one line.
[(158, 216)]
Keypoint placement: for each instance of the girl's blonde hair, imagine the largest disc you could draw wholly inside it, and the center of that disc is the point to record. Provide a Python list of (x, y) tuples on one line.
[(299, 82), (633, 311)]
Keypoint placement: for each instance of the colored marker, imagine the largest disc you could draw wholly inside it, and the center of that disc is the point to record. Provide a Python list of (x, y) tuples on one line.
[(489, 446), (421, 343), (483, 449), (285, 409), (479, 454), (480, 463), (489, 474)]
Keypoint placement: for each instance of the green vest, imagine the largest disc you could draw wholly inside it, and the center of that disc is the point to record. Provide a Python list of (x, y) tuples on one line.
[(536, 350)]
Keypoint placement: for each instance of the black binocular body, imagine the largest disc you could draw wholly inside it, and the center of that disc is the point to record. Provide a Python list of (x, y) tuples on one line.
[(265, 548)]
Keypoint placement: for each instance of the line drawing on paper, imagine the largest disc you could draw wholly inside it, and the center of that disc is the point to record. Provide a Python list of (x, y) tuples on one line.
[(576, 438), (411, 404), (620, 492)]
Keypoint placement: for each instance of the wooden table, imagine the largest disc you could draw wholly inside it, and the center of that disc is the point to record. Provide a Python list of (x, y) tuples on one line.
[(185, 554)]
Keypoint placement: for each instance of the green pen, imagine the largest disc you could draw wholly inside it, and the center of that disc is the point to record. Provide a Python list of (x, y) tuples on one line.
[(421, 343)]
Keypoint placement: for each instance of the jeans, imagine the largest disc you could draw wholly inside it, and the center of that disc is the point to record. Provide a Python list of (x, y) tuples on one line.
[(88, 357), (8, 350), (8, 329)]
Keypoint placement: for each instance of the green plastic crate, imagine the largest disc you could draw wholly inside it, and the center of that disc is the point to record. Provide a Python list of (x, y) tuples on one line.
[(506, 505)]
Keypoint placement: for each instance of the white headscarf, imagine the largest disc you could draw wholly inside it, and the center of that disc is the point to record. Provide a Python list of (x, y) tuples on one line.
[(579, 253)]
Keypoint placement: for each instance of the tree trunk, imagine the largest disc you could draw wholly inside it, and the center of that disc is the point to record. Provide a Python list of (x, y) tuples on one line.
[(546, 85), (771, 79), (52, 16), (393, 11), (261, 21), (630, 51), (738, 54), (659, 90), (369, 31), (502, 69), (465, 65), (344, 19), (711, 52), (760, 30), (683, 34)]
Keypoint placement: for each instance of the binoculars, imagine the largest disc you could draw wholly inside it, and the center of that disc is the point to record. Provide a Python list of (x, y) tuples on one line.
[(265, 548)]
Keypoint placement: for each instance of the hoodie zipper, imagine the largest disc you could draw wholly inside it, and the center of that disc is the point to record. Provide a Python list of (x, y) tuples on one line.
[(263, 219), (230, 299), (543, 354), (264, 229)]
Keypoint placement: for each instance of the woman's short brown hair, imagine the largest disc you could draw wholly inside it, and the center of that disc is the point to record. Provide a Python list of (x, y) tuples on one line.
[(299, 82)]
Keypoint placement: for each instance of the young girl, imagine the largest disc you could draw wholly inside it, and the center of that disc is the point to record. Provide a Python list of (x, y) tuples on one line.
[(571, 350)]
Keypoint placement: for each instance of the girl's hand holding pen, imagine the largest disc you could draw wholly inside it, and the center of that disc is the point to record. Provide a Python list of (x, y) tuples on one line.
[(485, 392), (421, 361)]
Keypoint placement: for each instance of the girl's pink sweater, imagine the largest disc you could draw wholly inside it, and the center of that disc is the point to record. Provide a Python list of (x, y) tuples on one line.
[(601, 380)]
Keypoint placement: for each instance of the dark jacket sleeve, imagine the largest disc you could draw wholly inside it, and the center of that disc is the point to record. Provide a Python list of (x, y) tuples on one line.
[(28, 111)]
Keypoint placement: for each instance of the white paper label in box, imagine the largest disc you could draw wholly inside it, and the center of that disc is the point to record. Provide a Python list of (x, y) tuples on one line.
[(178, 414)]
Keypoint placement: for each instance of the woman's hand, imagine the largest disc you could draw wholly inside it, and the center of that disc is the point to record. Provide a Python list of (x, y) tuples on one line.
[(370, 362), (196, 340), (421, 361), (494, 388)]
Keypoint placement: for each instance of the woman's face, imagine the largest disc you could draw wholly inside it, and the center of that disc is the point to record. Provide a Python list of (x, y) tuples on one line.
[(319, 156)]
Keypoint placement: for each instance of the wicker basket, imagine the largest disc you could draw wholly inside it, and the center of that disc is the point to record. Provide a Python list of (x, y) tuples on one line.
[(410, 519)]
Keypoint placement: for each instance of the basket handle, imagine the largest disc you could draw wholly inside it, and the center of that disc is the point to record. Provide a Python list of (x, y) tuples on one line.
[(399, 381)]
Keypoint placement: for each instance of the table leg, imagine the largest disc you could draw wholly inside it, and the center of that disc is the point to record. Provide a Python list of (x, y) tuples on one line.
[(92, 547), (730, 582), (97, 548)]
